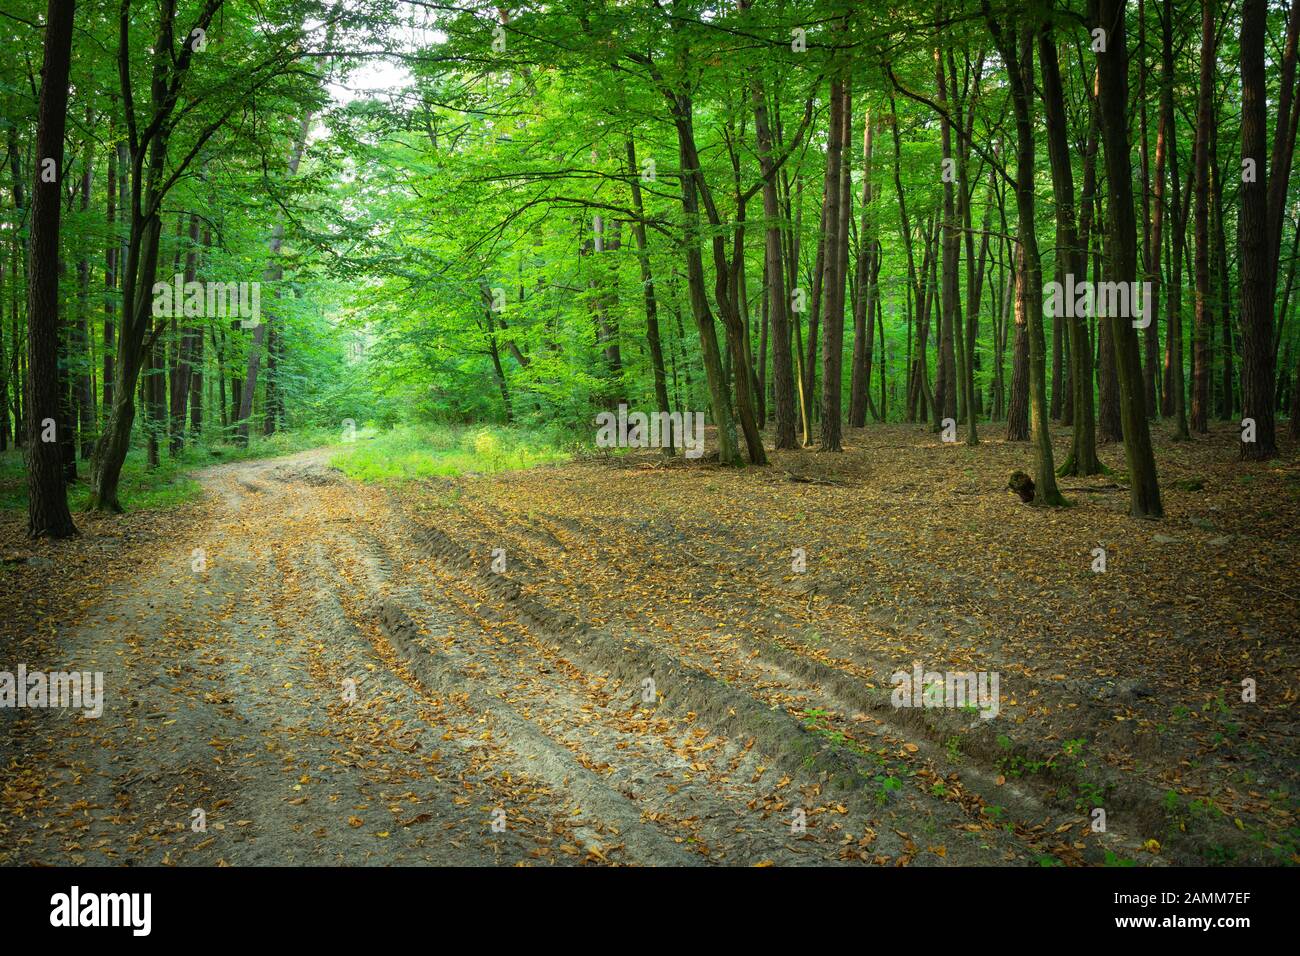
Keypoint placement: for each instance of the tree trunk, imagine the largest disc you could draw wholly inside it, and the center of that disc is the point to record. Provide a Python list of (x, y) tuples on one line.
[(1174, 404), (728, 450), (648, 289), (181, 376), (110, 263), (1018, 408), (1150, 227), (1073, 254), (1201, 370), (1018, 54), (83, 356), (196, 364), (783, 385), (864, 304), (47, 501), (833, 277), (946, 387), (4, 371), (1257, 274), (1144, 488)]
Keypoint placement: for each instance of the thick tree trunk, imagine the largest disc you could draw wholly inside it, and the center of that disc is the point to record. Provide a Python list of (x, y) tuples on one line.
[(47, 501)]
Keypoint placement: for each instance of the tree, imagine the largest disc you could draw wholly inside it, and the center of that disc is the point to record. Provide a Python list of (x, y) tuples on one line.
[(1016, 46), (1121, 227), (1082, 459), (47, 499), (1201, 370)]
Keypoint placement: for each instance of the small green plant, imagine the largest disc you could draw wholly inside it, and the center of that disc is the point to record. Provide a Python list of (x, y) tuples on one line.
[(1218, 855), (1090, 795), (886, 787)]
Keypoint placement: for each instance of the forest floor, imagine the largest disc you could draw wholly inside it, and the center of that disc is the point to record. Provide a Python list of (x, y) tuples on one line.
[(616, 660)]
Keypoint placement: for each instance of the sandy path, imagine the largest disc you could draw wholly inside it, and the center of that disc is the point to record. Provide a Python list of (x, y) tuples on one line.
[(326, 685)]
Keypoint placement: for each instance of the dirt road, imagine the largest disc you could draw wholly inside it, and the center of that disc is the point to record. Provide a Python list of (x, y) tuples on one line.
[(321, 672)]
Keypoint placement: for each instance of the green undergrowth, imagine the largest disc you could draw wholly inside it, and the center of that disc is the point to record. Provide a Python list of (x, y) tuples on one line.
[(411, 452)]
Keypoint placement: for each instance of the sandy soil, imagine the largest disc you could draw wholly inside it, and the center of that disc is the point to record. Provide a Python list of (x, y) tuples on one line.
[(350, 675)]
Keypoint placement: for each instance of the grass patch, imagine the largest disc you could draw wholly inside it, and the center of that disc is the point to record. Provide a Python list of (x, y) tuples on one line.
[(410, 453), (168, 485)]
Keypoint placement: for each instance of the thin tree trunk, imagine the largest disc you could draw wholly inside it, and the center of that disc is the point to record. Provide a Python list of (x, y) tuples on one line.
[(946, 385), (833, 277), (1201, 370), (778, 303), (83, 356), (864, 304), (272, 273), (1018, 408), (648, 289), (1073, 255), (1018, 54), (1144, 488), (110, 263), (180, 380)]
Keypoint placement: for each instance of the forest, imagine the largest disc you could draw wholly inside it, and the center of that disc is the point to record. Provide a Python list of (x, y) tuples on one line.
[(611, 431)]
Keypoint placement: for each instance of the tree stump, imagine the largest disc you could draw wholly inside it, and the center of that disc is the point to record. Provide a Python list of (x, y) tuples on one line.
[(1022, 485)]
